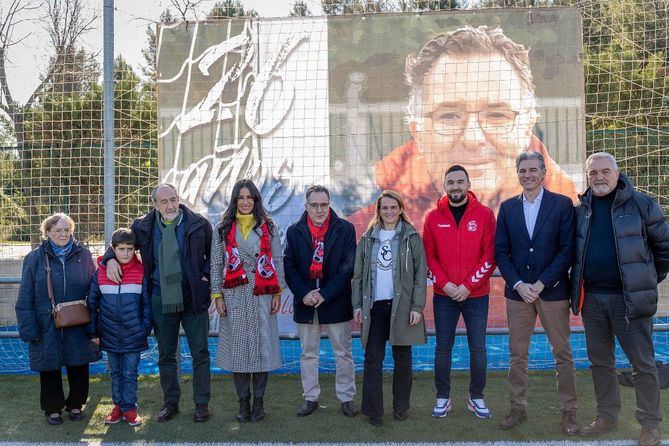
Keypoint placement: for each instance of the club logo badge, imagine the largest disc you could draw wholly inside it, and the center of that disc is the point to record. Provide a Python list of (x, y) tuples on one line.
[(265, 267)]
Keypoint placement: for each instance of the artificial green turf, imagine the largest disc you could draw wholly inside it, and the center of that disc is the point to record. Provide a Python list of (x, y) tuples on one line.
[(22, 419)]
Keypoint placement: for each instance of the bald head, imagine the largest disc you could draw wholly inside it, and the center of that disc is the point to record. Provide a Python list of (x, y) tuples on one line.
[(166, 201)]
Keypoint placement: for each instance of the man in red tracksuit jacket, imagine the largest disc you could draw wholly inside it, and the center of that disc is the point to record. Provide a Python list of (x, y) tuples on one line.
[(459, 238)]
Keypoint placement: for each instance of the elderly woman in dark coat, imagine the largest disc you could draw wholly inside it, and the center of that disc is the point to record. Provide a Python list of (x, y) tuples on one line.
[(50, 348)]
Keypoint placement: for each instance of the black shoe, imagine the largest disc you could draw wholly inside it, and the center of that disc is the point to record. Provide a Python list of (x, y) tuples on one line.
[(168, 411), (348, 409), (307, 408), (54, 420), (244, 409), (258, 411), (400, 416), (201, 412), (76, 416), (376, 421)]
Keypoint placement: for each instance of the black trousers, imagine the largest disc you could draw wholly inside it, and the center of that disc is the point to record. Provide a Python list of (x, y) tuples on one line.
[(604, 319), (52, 396), (243, 383), (196, 327), (375, 352)]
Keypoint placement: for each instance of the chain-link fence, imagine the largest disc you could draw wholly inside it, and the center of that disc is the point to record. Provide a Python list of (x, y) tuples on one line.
[(610, 93)]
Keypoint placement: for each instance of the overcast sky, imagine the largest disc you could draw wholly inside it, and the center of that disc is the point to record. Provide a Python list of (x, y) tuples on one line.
[(29, 59)]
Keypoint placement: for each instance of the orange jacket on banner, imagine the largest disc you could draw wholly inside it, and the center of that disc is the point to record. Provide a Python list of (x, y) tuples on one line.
[(404, 170)]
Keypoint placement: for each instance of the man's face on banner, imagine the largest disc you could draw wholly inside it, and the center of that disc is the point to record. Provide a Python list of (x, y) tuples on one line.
[(475, 111)]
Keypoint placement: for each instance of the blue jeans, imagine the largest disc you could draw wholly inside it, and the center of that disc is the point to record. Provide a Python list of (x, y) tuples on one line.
[(446, 314), (124, 369)]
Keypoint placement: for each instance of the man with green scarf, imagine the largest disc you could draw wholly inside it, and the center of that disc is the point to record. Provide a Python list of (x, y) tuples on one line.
[(175, 243)]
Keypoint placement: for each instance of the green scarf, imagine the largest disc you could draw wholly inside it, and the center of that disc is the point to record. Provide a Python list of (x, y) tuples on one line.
[(169, 265)]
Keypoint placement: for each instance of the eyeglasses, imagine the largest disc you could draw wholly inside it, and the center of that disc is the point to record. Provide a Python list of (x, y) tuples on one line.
[(61, 231), (451, 121), (316, 206)]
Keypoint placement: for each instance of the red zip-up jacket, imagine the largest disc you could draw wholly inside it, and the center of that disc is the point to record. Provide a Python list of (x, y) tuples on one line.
[(462, 254)]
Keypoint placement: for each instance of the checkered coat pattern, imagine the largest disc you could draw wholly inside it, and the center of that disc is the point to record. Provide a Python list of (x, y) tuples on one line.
[(248, 339)]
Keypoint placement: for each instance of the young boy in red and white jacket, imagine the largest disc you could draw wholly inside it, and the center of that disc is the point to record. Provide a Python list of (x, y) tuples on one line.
[(459, 238), (121, 319)]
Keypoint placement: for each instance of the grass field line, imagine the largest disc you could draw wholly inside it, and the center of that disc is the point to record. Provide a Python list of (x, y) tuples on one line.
[(459, 443)]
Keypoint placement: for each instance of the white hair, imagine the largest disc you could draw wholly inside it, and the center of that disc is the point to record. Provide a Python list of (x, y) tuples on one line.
[(600, 155)]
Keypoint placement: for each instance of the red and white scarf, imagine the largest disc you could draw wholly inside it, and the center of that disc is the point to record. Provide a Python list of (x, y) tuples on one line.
[(266, 279), (318, 242)]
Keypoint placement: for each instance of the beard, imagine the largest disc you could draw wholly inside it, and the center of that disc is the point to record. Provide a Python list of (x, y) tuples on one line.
[(457, 198)]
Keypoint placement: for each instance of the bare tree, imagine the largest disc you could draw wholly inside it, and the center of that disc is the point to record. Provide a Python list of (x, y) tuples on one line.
[(184, 7), (65, 22), (10, 17), (71, 67)]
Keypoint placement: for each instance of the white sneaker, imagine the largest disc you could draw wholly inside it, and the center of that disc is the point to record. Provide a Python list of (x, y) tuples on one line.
[(442, 407), (479, 408)]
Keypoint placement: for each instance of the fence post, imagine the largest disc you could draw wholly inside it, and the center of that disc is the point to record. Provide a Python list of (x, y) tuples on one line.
[(108, 75)]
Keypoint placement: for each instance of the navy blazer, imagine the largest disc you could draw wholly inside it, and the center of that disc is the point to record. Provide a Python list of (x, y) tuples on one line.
[(546, 256), (335, 287)]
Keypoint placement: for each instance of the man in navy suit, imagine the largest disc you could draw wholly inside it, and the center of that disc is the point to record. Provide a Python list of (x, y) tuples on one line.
[(534, 245)]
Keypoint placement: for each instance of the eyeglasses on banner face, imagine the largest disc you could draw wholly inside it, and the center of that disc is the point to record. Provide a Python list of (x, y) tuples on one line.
[(453, 120)]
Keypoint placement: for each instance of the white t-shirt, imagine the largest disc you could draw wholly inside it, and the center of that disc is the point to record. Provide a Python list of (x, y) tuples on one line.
[(383, 288)]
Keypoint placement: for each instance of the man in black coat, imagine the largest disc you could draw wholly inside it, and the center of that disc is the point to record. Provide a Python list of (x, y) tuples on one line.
[(318, 261), (175, 245), (622, 253)]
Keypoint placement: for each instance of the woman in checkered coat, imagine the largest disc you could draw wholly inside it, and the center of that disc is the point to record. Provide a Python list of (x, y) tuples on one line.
[(246, 283)]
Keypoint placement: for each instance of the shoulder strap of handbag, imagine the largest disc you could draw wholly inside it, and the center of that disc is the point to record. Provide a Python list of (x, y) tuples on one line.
[(49, 285)]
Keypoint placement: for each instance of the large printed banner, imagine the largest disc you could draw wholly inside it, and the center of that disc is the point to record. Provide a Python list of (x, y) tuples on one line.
[(366, 103)]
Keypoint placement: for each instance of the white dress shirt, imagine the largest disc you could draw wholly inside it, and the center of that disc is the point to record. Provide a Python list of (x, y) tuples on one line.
[(531, 210)]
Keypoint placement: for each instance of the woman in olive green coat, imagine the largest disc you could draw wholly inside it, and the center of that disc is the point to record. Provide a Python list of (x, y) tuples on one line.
[(389, 287)]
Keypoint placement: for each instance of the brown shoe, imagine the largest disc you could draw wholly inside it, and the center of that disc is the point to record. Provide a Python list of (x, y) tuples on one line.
[(201, 413), (568, 423), (597, 427), (649, 436), (515, 417)]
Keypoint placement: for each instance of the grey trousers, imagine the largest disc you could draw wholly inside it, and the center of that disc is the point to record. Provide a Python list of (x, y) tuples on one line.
[(603, 319), (166, 328)]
